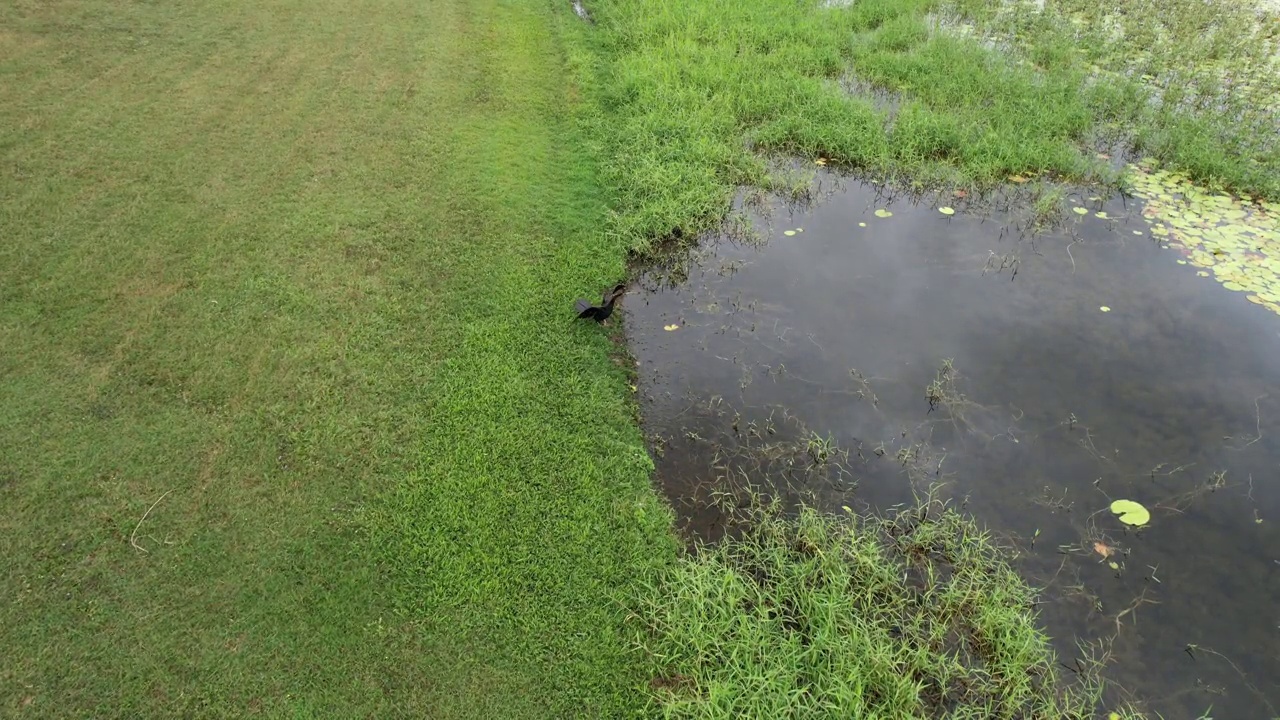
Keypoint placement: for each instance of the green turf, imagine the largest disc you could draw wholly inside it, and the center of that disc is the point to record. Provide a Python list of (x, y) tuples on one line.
[(302, 271)]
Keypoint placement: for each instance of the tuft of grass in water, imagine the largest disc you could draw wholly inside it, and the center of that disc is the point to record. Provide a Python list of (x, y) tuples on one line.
[(812, 615), (1048, 204), (693, 98)]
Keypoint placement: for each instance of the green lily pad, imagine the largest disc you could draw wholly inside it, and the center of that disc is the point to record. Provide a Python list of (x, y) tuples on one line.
[(1131, 513), (882, 213), (1079, 211), (947, 211), (788, 233)]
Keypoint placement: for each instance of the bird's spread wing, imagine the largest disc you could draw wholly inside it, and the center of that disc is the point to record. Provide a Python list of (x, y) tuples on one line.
[(584, 308)]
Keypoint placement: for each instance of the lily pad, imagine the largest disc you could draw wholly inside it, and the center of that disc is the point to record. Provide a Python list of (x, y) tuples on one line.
[(947, 210), (669, 328), (862, 224), (1080, 211), (1102, 215), (882, 213), (1131, 513), (788, 233), (1104, 308)]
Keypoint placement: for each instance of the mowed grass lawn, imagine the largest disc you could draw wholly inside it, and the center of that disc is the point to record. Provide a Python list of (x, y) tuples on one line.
[(294, 420)]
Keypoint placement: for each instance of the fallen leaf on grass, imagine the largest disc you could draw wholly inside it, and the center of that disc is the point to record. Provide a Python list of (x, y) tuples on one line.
[(1018, 178), (820, 161)]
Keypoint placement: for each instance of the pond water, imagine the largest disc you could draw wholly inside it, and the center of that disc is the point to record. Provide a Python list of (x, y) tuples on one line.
[(860, 360)]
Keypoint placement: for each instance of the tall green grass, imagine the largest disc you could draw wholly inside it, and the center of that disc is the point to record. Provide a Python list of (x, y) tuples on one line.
[(918, 615), (695, 98)]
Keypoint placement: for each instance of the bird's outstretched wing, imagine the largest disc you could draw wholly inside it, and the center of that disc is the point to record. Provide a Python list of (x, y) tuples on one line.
[(584, 308)]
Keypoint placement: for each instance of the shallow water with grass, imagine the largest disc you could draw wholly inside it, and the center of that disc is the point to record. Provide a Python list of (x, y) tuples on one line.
[(868, 350)]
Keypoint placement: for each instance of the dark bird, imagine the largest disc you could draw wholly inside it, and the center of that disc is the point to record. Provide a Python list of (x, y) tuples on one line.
[(600, 312)]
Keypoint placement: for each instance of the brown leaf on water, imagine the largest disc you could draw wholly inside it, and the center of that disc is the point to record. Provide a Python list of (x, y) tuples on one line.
[(1103, 549)]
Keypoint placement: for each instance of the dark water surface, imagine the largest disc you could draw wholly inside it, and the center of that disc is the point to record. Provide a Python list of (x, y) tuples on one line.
[(805, 363)]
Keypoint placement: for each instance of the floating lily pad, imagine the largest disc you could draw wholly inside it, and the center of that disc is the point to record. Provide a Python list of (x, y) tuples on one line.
[(788, 233), (669, 328), (1131, 513), (862, 224), (1080, 211), (882, 213), (1104, 308), (947, 210), (1237, 237), (1102, 215)]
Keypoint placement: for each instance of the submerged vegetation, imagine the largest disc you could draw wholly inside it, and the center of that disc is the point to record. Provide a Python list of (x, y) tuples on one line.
[(696, 98), (812, 615)]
